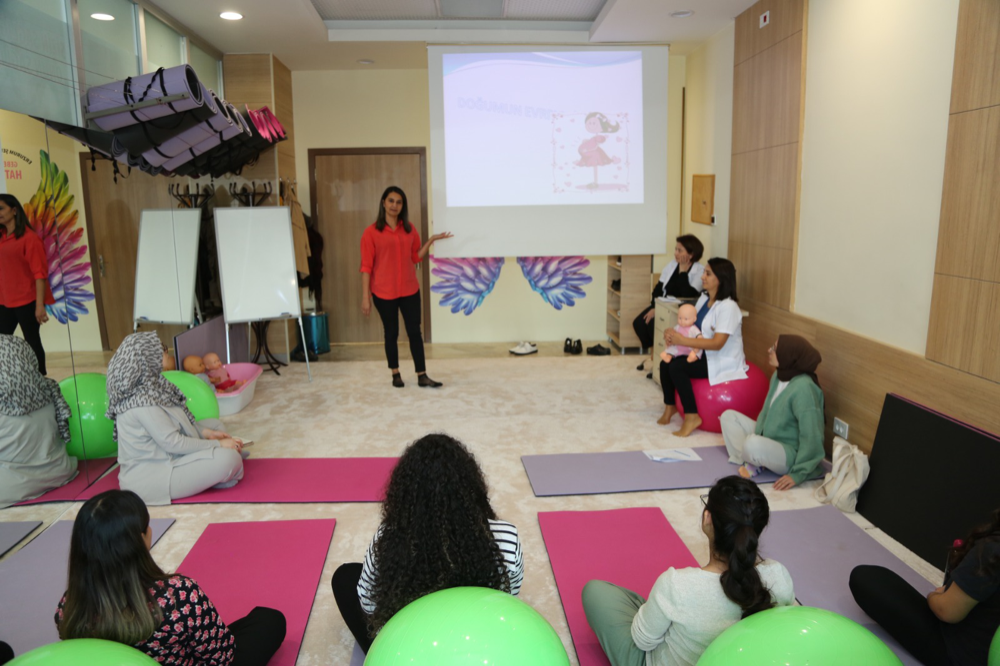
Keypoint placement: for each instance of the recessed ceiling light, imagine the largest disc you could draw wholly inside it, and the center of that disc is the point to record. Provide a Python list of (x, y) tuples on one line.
[(366, 61), (682, 14), (102, 17), (231, 16)]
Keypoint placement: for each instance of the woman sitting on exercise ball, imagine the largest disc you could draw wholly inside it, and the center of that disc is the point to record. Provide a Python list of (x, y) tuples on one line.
[(721, 338), (787, 437), (438, 531)]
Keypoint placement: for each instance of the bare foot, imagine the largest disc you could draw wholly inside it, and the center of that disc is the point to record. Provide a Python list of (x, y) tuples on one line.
[(668, 413), (691, 423)]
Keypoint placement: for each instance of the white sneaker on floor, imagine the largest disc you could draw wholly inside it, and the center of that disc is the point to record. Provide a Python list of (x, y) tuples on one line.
[(524, 348), (516, 349)]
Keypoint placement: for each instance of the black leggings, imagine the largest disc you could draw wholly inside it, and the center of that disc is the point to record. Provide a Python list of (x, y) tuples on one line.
[(258, 636), (901, 611), (644, 330), (678, 375), (24, 315), (345, 591), (389, 311)]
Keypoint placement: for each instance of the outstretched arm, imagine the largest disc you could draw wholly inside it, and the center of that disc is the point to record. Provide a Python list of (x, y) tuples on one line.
[(430, 241)]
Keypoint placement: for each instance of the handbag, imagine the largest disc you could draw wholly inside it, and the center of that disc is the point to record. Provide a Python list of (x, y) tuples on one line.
[(850, 471)]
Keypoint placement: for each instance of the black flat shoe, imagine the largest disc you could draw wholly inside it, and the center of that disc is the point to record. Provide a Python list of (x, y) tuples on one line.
[(641, 366), (598, 350), (397, 380), (577, 347), (426, 382), (568, 346)]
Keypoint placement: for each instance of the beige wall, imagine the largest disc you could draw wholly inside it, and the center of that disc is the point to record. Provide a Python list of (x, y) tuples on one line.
[(878, 85), (709, 133)]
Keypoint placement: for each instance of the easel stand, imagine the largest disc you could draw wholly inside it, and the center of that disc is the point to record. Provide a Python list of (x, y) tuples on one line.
[(260, 330)]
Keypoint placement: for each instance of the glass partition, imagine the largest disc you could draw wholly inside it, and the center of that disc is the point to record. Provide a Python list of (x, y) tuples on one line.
[(108, 31), (208, 69), (165, 47)]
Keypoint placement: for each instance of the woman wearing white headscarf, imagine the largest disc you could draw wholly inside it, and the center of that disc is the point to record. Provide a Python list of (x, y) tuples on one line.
[(34, 427), (164, 454)]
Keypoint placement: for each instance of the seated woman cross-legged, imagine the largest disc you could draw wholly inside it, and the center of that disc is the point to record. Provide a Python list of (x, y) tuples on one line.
[(117, 592), (787, 437), (164, 454), (688, 608), (721, 338), (438, 531)]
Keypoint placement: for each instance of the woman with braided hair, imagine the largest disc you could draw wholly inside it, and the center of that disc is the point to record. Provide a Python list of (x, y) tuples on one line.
[(438, 531), (688, 608)]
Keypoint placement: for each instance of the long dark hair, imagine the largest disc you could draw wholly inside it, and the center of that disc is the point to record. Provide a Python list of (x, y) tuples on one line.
[(739, 514), (110, 572), (20, 217), (435, 528), (404, 215), (725, 271), (986, 533)]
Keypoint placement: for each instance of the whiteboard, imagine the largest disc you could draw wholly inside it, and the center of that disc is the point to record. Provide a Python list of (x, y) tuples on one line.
[(166, 265), (257, 263)]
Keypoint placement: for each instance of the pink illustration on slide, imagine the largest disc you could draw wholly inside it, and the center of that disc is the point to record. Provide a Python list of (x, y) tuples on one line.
[(600, 162)]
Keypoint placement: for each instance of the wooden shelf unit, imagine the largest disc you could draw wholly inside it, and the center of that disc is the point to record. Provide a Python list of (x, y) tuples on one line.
[(631, 298)]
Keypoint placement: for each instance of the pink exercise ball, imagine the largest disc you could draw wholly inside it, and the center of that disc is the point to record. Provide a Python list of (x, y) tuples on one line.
[(744, 395)]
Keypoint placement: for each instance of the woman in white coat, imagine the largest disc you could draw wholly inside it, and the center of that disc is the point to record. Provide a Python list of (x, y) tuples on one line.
[(681, 278)]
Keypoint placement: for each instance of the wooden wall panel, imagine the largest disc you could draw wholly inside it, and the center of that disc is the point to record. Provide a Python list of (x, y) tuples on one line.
[(976, 80), (965, 330), (767, 90), (248, 79), (787, 18), (761, 273), (284, 109), (762, 196)]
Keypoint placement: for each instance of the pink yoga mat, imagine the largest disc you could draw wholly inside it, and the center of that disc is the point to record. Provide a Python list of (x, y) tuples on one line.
[(291, 480), (90, 470), (277, 564), (627, 547)]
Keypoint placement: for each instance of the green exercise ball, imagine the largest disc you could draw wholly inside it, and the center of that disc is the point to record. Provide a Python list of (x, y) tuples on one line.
[(84, 651), (994, 658), (201, 400), (467, 625), (91, 433), (797, 636)]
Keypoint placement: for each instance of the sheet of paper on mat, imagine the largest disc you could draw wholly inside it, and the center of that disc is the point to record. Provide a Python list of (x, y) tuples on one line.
[(673, 455)]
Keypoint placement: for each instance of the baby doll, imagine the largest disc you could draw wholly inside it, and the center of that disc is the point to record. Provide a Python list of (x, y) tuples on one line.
[(218, 375), (687, 315), (196, 367)]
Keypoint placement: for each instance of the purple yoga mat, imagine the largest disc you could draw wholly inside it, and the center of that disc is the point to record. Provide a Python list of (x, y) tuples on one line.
[(292, 480), (276, 564), (626, 472), (820, 547), (68, 493), (171, 81), (218, 121), (32, 581), (12, 534)]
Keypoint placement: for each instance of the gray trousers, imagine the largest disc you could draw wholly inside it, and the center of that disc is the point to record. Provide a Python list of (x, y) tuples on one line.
[(746, 447), (610, 610), (224, 469)]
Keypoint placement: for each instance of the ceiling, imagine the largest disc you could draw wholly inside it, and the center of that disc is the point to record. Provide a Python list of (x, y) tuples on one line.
[(335, 34)]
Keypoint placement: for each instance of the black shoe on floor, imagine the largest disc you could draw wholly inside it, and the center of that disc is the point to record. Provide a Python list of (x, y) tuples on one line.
[(568, 346), (649, 375), (598, 350), (397, 380), (426, 382), (641, 366), (577, 347)]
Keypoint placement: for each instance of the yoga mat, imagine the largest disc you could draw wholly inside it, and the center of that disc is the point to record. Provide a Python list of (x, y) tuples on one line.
[(70, 491), (627, 472), (627, 547), (32, 581), (291, 480), (276, 564), (820, 547), (11, 534), (163, 82)]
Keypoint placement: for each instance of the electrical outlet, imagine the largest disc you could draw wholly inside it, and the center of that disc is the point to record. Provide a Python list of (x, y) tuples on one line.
[(713, 219), (840, 428)]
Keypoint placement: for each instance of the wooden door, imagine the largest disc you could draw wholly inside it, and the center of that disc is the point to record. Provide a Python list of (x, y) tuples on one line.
[(113, 212), (346, 187)]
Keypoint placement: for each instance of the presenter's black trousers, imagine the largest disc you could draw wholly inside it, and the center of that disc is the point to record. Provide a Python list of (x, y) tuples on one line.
[(389, 311), (678, 375), (24, 316), (345, 591)]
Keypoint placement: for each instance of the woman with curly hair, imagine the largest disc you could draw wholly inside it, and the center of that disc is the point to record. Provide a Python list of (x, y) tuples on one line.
[(955, 623), (438, 531)]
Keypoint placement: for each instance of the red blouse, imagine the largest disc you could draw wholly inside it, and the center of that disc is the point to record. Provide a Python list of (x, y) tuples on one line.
[(22, 261), (389, 257), (192, 632)]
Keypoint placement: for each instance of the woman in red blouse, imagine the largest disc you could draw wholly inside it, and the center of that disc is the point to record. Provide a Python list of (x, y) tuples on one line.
[(24, 277), (117, 592), (390, 250)]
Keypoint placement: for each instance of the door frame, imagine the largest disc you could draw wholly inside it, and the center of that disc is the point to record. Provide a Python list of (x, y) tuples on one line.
[(421, 152), (95, 267)]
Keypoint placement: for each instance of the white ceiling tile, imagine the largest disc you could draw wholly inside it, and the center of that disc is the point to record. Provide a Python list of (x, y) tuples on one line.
[(554, 10), (376, 10)]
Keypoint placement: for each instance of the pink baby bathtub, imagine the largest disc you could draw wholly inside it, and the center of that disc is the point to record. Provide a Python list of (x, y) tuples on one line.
[(234, 401)]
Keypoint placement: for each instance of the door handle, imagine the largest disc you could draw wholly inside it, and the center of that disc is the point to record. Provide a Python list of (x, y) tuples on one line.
[(100, 264)]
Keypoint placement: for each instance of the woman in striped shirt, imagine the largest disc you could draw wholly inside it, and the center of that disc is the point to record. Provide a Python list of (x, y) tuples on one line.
[(438, 531)]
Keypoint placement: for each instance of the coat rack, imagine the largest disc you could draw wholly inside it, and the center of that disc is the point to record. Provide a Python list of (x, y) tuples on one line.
[(251, 196)]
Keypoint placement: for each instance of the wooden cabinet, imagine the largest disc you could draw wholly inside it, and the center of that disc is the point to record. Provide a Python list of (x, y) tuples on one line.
[(666, 317), (628, 295)]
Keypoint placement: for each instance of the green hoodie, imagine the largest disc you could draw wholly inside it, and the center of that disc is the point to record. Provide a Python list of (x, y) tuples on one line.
[(795, 421)]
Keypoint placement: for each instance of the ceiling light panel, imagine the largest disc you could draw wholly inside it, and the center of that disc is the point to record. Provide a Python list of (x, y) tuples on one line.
[(554, 10), (376, 10), (471, 9)]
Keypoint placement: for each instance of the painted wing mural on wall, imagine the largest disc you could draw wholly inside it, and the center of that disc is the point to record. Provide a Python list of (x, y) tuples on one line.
[(466, 282), (52, 216)]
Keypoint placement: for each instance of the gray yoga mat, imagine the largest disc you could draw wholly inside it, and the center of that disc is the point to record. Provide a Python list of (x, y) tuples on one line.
[(820, 547), (11, 534), (33, 580), (627, 472)]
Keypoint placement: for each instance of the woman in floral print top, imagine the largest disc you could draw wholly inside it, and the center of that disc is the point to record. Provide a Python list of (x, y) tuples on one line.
[(168, 617)]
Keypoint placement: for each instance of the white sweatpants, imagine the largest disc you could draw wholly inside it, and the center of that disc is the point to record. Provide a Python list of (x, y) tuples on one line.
[(746, 447)]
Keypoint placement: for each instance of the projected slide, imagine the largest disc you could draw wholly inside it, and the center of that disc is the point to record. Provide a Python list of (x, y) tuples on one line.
[(543, 128)]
